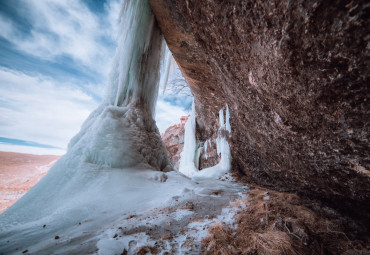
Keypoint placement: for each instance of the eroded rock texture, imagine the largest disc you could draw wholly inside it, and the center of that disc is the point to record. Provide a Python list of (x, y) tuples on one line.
[(295, 75), (173, 139)]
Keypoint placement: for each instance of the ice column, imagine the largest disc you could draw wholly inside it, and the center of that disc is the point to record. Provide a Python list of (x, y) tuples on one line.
[(223, 149), (134, 76), (189, 161), (189, 154), (121, 132)]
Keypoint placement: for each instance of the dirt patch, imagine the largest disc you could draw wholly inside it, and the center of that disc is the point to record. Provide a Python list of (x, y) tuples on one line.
[(283, 223), (19, 172)]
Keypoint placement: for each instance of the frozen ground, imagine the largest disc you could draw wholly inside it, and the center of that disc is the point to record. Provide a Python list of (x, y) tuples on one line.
[(123, 210)]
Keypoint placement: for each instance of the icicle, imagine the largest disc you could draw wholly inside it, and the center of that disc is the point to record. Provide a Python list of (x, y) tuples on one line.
[(198, 151), (138, 52), (188, 155), (218, 146), (223, 149), (221, 118), (167, 70), (228, 127), (205, 149)]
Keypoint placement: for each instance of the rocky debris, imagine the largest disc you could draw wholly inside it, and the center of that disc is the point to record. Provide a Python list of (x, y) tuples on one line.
[(295, 76)]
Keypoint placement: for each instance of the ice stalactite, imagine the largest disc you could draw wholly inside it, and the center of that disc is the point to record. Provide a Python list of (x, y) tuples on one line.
[(122, 132), (135, 70), (189, 162), (205, 149), (223, 148), (167, 69), (188, 156), (228, 127)]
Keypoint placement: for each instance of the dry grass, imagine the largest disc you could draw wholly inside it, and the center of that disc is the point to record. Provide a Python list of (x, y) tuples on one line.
[(147, 250), (285, 224), (272, 242)]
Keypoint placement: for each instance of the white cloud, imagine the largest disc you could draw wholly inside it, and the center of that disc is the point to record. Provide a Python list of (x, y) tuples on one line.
[(43, 109), (30, 150), (167, 115), (66, 28), (40, 109)]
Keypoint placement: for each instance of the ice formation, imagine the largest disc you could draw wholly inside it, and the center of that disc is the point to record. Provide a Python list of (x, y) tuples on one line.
[(223, 149), (189, 153), (228, 127), (205, 149), (189, 162), (167, 69), (108, 168), (108, 171), (122, 132)]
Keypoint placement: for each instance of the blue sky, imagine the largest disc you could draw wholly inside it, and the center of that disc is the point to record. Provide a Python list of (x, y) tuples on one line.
[(55, 57)]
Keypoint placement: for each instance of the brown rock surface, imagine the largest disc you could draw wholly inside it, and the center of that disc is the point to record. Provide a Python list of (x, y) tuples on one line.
[(295, 75), (173, 139), (19, 172)]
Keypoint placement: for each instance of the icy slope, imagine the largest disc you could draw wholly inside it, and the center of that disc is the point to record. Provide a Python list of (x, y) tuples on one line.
[(90, 201), (86, 214)]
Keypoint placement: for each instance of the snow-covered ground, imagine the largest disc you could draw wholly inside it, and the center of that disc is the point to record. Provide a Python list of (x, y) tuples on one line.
[(123, 209), (179, 227)]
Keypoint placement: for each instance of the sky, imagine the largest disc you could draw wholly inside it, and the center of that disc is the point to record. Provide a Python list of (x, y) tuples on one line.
[(55, 58)]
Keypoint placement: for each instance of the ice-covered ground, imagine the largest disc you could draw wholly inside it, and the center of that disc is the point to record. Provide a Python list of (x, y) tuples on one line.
[(179, 227), (123, 209)]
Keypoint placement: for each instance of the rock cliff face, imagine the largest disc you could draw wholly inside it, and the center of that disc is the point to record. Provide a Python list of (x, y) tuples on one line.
[(295, 75), (173, 138)]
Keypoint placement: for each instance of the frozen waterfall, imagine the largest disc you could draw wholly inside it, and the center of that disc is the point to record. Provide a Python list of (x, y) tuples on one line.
[(188, 155), (122, 132), (108, 168)]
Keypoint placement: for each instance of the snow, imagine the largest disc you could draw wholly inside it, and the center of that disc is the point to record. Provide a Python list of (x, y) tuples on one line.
[(184, 228), (93, 197)]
